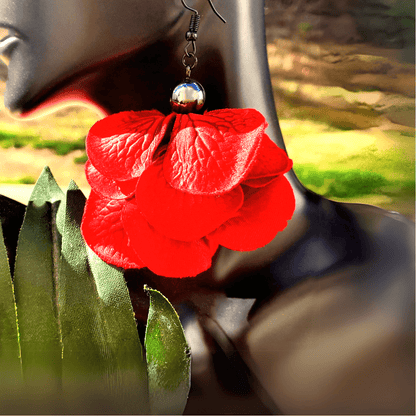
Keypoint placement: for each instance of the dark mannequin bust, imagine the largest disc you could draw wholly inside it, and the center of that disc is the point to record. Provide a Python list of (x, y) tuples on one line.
[(321, 320)]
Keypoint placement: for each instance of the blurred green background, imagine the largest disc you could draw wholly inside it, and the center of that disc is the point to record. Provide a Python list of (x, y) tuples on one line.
[(343, 77)]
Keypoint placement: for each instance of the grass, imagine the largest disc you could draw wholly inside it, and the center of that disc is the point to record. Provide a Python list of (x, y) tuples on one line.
[(18, 139), (394, 159), (61, 147), (365, 166), (23, 180), (349, 184), (346, 183), (81, 159)]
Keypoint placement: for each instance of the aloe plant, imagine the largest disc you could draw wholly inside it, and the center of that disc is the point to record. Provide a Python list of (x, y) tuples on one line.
[(68, 338)]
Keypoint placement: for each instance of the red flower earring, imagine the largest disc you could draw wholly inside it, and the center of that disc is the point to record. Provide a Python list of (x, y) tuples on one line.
[(168, 191)]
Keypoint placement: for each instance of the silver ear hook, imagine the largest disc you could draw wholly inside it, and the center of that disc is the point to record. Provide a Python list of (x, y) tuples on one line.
[(189, 8), (196, 11), (189, 59), (215, 11)]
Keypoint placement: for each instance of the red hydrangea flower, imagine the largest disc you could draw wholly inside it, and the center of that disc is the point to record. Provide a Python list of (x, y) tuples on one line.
[(167, 191)]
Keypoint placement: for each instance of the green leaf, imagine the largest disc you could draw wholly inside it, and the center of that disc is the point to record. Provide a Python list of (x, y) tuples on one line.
[(168, 357), (46, 189), (103, 366), (10, 365), (36, 271), (130, 378), (67, 331)]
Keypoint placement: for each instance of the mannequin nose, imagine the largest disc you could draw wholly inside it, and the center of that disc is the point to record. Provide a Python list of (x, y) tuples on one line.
[(7, 44)]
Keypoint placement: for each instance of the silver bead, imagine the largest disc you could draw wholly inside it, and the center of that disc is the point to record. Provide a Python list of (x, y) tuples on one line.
[(188, 97)]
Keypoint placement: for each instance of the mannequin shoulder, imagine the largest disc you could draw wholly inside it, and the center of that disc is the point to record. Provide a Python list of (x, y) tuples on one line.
[(387, 248), (343, 342), (385, 228)]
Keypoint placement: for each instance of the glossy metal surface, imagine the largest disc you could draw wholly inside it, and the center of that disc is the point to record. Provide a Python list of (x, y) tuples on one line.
[(330, 326), (187, 97)]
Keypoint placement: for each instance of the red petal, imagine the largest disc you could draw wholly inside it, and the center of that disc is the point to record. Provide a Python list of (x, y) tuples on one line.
[(102, 185), (270, 162), (212, 153), (121, 146), (162, 255), (259, 182), (179, 215), (127, 187), (103, 231), (265, 212)]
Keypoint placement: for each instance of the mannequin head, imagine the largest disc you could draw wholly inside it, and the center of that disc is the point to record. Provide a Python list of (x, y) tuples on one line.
[(57, 40), (126, 54)]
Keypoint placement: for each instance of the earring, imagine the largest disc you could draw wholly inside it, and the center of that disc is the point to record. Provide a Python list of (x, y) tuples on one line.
[(189, 96), (167, 191)]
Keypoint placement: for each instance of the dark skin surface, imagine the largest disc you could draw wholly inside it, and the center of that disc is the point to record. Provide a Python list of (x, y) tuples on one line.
[(321, 320)]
